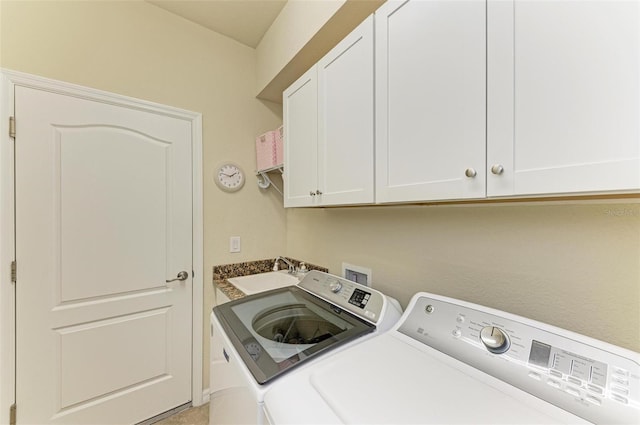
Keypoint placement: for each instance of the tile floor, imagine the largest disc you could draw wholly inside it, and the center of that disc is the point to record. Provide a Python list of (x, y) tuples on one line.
[(192, 416)]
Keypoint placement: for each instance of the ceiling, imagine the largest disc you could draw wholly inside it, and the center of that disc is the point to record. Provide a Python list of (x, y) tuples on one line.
[(245, 21)]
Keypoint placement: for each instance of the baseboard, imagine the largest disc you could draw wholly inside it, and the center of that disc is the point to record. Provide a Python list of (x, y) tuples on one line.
[(206, 396)]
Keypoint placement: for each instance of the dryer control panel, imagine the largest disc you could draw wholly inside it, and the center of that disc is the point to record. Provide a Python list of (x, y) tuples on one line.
[(364, 302), (589, 378)]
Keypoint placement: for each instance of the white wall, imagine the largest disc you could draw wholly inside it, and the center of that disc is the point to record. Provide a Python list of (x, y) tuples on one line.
[(575, 265)]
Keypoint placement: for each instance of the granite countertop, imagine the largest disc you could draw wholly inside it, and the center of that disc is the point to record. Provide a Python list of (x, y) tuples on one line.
[(228, 289), (223, 272)]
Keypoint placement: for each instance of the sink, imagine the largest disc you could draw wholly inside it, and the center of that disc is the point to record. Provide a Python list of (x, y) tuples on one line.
[(260, 282)]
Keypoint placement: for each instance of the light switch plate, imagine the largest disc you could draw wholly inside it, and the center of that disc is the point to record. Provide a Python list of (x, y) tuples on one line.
[(234, 244)]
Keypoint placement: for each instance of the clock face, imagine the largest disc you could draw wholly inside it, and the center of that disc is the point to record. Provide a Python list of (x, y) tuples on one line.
[(229, 177)]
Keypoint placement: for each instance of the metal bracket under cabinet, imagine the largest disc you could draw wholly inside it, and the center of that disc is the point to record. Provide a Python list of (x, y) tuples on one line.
[(263, 178)]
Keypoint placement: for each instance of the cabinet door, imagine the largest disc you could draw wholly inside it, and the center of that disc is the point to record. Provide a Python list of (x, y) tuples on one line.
[(563, 107), (300, 109), (430, 100), (345, 120)]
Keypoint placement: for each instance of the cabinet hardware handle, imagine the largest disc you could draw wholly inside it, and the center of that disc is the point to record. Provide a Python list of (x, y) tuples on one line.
[(497, 169), (318, 192), (312, 193), (470, 172)]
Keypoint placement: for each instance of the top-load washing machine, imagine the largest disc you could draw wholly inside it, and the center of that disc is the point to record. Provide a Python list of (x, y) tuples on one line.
[(258, 338), (452, 362)]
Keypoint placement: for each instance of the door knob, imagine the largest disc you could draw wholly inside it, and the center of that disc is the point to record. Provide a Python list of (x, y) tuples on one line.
[(183, 275)]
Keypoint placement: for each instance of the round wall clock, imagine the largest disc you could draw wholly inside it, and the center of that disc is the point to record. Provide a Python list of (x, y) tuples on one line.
[(229, 177)]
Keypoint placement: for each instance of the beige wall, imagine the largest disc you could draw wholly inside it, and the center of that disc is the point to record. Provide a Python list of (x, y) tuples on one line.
[(302, 34), (136, 49), (574, 265), (294, 27)]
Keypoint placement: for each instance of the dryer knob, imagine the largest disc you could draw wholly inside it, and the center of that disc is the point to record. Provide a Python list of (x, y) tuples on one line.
[(495, 339)]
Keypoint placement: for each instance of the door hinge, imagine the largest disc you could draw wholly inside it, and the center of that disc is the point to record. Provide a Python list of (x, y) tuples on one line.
[(14, 272), (12, 414), (12, 127)]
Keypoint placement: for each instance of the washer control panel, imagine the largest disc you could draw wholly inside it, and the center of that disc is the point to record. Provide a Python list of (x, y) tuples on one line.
[(360, 300), (589, 378)]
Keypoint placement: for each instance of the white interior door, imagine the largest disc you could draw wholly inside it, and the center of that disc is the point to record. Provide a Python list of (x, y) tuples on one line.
[(103, 218)]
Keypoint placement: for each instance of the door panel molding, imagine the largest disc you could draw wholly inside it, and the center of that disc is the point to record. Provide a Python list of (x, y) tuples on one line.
[(8, 81), (136, 352)]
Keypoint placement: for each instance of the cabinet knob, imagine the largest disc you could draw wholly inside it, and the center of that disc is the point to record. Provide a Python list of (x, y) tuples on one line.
[(318, 192), (312, 193), (497, 169), (470, 172)]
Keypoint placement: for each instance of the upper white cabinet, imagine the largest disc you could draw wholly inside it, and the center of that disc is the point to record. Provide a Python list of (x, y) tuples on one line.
[(328, 127), (563, 97), (506, 98), (431, 100), (473, 99), (300, 110)]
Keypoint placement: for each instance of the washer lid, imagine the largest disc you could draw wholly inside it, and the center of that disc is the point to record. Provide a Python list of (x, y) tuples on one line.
[(276, 330), (389, 380)]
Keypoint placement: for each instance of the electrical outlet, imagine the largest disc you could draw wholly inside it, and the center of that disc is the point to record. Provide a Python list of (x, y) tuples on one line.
[(234, 244)]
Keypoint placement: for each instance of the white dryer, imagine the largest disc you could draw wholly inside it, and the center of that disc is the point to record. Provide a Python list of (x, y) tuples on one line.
[(259, 338), (453, 362)]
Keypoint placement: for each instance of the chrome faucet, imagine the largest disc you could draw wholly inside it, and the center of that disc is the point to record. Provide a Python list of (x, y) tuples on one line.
[(292, 268)]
